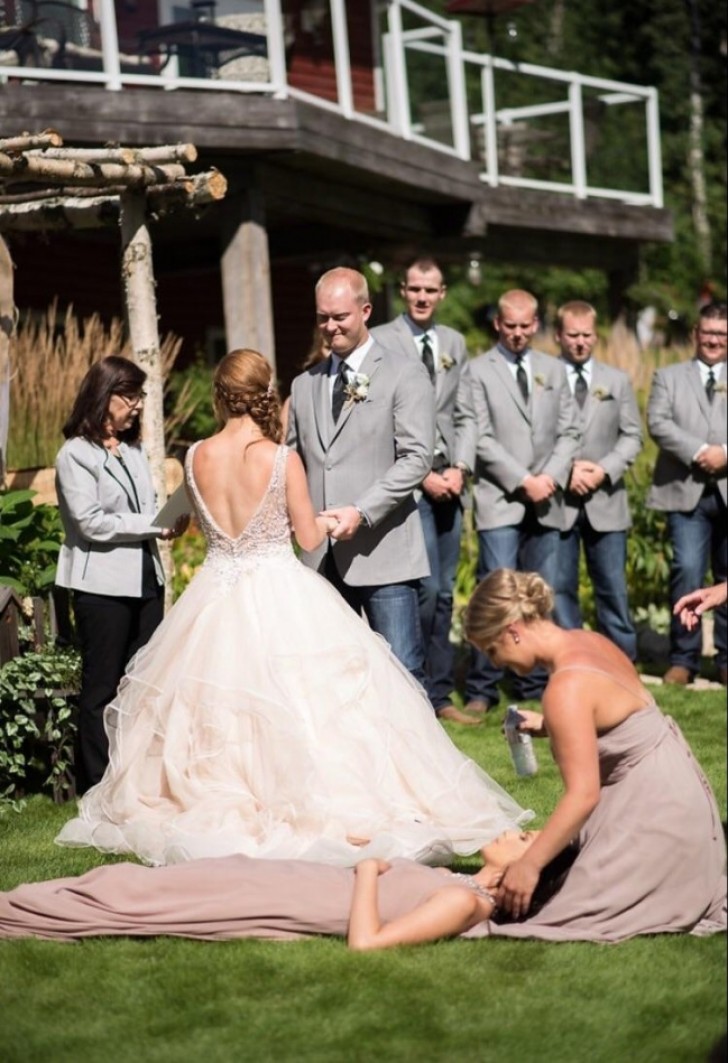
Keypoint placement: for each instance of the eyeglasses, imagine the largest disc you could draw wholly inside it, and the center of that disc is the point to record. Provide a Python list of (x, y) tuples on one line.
[(134, 400)]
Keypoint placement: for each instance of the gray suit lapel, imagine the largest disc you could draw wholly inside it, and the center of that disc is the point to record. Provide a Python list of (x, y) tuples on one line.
[(506, 377), (122, 479), (368, 368), (322, 403), (591, 404), (696, 384)]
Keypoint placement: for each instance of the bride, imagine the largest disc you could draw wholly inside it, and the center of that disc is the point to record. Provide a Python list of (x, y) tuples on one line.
[(264, 717)]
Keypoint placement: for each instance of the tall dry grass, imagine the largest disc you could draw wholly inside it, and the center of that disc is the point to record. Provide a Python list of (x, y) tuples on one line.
[(49, 356)]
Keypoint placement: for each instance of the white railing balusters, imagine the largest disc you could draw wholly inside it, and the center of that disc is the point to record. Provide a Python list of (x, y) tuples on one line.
[(576, 130)]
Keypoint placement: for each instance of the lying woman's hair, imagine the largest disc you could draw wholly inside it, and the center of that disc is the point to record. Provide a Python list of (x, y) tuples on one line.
[(111, 376), (244, 383), (502, 598)]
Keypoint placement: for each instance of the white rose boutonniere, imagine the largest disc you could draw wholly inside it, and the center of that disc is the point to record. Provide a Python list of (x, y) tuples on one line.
[(447, 361), (539, 380), (357, 387), (601, 393), (721, 387)]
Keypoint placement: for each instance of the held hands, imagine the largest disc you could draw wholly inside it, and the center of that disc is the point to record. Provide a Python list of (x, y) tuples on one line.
[(436, 486), (711, 459), (179, 527), (346, 521), (538, 488)]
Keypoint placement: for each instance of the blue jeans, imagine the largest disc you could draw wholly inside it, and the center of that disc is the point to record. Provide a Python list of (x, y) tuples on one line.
[(442, 524), (392, 611), (698, 540), (528, 547), (606, 558)]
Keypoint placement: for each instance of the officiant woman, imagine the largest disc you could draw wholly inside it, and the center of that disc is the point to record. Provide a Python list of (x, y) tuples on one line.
[(109, 559)]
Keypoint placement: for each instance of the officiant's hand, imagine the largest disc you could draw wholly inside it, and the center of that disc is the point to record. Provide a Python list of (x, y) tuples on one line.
[(179, 527), (348, 520)]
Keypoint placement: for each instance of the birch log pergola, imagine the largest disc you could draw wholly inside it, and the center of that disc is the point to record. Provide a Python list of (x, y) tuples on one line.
[(47, 187)]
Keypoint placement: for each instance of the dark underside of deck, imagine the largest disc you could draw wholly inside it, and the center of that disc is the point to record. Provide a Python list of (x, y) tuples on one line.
[(329, 184)]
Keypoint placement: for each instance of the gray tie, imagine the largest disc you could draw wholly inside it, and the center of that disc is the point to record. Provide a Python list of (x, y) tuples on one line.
[(522, 378), (339, 392), (580, 388), (710, 385), (428, 358)]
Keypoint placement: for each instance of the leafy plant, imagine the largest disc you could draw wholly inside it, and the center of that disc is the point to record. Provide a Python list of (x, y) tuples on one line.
[(30, 539), (36, 724)]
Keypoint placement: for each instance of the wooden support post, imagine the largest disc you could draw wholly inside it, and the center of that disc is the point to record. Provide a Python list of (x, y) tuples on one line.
[(141, 315), (246, 282), (7, 327)]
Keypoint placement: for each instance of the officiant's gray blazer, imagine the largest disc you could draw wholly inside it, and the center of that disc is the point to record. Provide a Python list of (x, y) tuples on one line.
[(455, 418), (611, 436), (373, 457), (681, 419), (516, 438), (105, 521)]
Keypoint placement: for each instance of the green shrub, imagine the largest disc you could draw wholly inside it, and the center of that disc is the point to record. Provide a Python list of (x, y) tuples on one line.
[(30, 539), (37, 728)]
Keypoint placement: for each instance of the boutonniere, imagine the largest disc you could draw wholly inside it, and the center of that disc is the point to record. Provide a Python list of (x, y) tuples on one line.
[(446, 362), (357, 387), (539, 380), (721, 387), (601, 393)]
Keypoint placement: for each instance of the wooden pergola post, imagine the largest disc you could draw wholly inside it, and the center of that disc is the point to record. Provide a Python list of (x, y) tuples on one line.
[(7, 326), (246, 279)]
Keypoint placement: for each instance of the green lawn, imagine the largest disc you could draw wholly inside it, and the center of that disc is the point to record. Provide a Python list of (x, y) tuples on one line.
[(652, 999)]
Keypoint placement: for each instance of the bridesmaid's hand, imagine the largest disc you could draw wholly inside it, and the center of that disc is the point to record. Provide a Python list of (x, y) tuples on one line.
[(516, 889)]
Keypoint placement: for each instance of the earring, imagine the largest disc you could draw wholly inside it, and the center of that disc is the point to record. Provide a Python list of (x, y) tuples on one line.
[(516, 638)]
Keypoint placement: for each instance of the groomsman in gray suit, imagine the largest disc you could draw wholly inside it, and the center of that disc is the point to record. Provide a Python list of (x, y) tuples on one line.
[(443, 353), (362, 421), (686, 415), (528, 436), (596, 508)]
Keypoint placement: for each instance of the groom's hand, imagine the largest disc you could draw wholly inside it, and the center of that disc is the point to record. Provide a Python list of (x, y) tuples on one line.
[(348, 520)]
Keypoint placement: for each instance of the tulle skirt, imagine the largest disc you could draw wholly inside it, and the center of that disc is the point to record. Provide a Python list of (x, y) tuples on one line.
[(264, 717)]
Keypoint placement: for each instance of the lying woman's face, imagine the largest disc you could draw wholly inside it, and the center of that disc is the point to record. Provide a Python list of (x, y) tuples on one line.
[(509, 846)]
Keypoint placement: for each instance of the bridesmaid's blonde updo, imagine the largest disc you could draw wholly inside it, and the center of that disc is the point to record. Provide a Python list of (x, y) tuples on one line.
[(244, 384), (502, 598)]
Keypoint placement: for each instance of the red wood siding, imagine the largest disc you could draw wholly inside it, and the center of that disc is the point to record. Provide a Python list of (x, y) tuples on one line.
[(311, 62)]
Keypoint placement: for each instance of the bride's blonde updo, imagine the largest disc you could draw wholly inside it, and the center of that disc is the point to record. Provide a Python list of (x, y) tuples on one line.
[(502, 598), (244, 384)]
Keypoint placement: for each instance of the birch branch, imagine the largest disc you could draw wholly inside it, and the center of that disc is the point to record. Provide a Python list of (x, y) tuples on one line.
[(37, 168), (31, 141), (128, 156)]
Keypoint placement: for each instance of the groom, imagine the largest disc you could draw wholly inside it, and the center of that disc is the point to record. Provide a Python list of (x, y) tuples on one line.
[(362, 421)]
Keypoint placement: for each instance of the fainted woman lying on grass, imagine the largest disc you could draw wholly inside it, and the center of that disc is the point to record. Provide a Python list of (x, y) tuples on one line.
[(375, 905)]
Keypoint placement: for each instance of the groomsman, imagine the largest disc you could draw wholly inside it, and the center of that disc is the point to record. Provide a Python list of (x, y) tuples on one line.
[(596, 508), (443, 353), (528, 436), (362, 421), (686, 416)]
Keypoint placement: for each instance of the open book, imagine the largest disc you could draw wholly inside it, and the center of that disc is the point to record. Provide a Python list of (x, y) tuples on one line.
[(176, 505)]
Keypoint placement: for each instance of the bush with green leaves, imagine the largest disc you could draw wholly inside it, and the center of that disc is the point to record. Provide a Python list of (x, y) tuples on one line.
[(37, 728), (30, 539)]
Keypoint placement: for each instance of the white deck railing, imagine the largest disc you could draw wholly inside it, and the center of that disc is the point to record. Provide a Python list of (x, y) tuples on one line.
[(430, 90)]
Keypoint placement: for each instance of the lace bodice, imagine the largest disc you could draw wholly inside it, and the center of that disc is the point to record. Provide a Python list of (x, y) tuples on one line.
[(266, 537)]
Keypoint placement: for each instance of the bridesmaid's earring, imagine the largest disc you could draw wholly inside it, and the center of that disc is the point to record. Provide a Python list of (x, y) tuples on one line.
[(516, 638)]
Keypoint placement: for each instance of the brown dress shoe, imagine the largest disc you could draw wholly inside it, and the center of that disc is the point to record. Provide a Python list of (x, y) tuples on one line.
[(677, 676), (454, 715), (723, 676), (478, 707)]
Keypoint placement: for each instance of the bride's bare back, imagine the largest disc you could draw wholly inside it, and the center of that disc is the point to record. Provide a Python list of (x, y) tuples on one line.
[(232, 471)]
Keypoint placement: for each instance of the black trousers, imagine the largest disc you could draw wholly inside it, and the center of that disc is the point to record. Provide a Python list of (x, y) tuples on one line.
[(110, 631)]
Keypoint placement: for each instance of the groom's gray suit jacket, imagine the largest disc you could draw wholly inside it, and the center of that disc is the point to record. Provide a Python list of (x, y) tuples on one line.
[(374, 457)]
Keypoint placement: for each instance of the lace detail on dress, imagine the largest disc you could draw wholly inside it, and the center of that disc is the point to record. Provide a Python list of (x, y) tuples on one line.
[(266, 537)]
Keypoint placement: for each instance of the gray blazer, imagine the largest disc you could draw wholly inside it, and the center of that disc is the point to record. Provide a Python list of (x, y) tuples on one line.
[(516, 439), (611, 435), (104, 526), (681, 420), (457, 427), (374, 458)]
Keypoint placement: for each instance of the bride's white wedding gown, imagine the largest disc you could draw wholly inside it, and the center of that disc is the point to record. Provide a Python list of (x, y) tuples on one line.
[(264, 717)]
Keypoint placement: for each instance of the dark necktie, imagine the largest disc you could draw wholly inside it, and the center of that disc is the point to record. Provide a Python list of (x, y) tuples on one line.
[(710, 385), (580, 388), (428, 358), (522, 378), (339, 392)]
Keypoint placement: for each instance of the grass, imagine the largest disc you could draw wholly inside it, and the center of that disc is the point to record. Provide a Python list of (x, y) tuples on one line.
[(157, 1001)]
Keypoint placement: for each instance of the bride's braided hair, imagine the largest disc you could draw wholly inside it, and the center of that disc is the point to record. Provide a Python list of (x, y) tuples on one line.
[(244, 384), (502, 598)]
